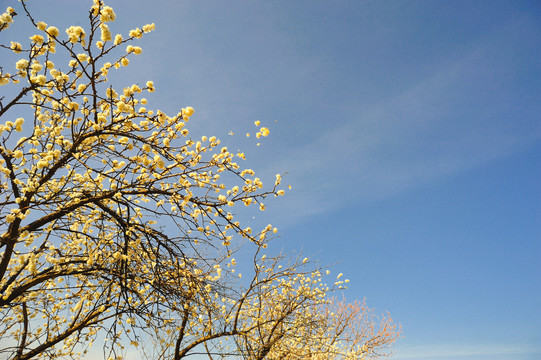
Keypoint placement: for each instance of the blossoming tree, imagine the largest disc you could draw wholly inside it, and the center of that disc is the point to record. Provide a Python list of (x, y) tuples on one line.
[(117, 225)]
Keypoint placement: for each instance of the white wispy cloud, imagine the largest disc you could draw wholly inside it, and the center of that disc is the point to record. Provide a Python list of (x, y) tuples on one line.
[(435, 128), (457, 351)]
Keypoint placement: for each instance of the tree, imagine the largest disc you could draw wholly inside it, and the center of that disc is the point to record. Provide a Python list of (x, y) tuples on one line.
[(115, 223)]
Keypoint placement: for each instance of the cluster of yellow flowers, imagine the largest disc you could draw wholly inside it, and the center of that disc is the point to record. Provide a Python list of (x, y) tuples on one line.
[(106, 13), (105, 34), (6, 18), (76, 34)]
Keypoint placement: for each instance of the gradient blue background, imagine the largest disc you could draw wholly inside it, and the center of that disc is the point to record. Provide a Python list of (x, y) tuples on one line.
[(410, 132)]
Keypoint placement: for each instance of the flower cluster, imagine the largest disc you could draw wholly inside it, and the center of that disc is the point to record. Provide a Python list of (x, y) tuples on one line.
[(76, 34), (6, 18)]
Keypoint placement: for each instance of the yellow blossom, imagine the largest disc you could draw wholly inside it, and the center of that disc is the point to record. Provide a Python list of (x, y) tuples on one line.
[(149, 27), (6, 18), (16, 47), (52, 31), (136, 33), (38, 39), (76, 33), (21, 64), (39, 79), (82, 57), (107, 14), (118, 39), (105, 33)]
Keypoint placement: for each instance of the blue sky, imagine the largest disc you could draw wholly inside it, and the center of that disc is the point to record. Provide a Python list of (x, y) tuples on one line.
[(410, 132)]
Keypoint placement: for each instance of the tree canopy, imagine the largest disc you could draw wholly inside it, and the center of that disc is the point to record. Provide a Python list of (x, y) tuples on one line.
[(118, 227)]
